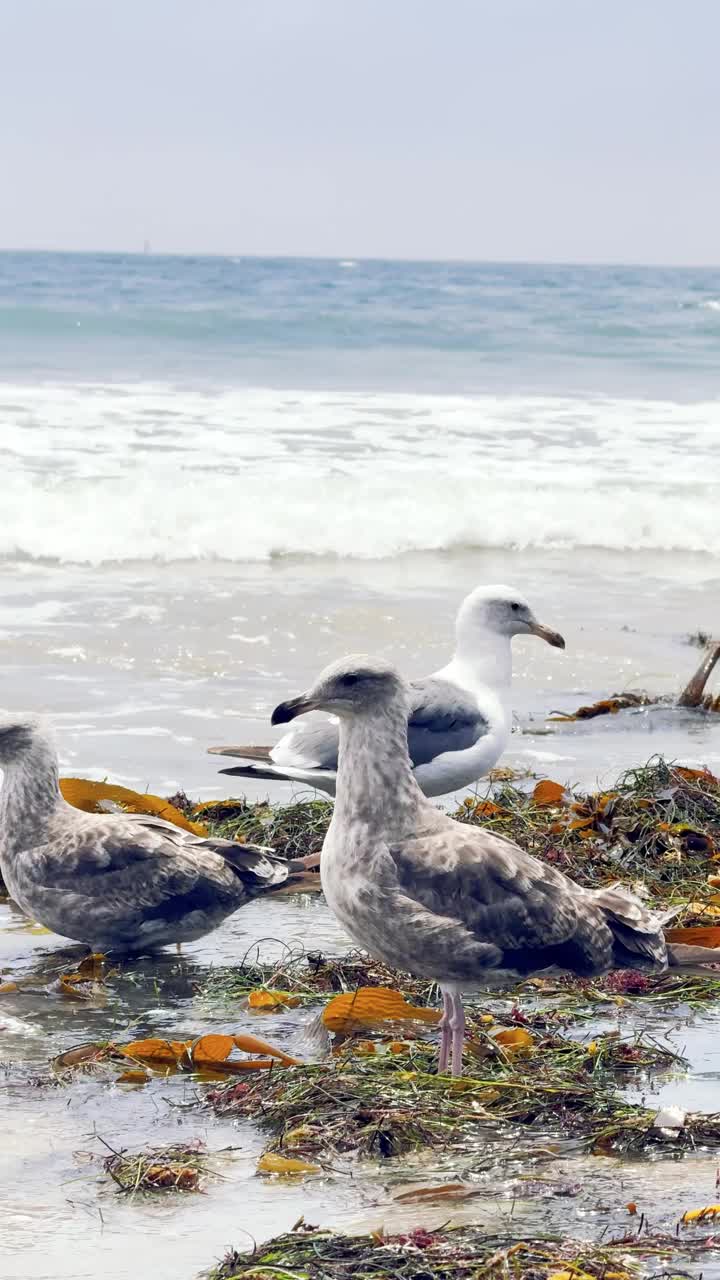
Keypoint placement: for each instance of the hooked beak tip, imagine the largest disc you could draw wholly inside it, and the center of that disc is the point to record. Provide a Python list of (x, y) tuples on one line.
[(287, 711), (550, 637)]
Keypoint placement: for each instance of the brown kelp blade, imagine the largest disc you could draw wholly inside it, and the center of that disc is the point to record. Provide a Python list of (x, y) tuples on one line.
[(90, 797)]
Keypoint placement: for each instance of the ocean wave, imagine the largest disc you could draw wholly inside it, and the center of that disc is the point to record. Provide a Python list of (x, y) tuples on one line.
[(97, 473)]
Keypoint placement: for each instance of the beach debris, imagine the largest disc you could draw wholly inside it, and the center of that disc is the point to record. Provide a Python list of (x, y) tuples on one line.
[(659, 825), (312, 976), (700, 1215), (81, 1055), (699, 639), (383, 1104), (458, 1253), (294, 830), (208, 1054), (696, 936), (177, 1167), (284, 1166), (693, 695), (514, 1040), (104, 797), (444, 1191), (89, 979), (312, 973), (87, 982), (370, 1007), (669, 1118), (605, 707), (546, 792), (261, 1001)]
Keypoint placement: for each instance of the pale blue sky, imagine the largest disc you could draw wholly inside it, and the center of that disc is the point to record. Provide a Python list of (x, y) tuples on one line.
[(571, 130)]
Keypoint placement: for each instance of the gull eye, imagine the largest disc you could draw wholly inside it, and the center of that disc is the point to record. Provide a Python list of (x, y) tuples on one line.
[(350, 680), (515, 607)]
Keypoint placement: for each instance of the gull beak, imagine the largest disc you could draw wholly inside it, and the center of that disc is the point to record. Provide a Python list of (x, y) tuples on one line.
[(550, 637), (286, 711)]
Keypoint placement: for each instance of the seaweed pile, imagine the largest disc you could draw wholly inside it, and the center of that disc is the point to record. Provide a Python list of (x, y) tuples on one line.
[(460, 1253), (383, 1099), (176, 1167), (658, 827)]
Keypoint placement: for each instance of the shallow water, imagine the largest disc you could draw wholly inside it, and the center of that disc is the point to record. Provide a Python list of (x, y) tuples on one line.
[(61, 1218), (143, 668)]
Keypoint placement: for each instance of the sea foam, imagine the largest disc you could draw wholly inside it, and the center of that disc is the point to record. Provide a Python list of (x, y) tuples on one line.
[(135, 472)]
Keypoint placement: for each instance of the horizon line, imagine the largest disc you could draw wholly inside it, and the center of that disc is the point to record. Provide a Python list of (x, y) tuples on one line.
[(363, 258)]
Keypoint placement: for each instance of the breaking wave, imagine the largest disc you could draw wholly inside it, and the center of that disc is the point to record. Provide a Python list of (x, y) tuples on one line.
[(138, 472)]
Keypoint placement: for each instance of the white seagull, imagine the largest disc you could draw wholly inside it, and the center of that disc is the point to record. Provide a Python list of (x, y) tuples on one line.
[(460, 716), (445, 900)]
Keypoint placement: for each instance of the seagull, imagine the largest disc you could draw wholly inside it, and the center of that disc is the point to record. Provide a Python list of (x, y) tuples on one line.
[(460, 717), (439, 898), (126, 882)]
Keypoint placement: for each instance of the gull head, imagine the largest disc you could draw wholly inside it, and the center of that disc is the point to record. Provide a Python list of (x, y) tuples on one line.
[(20, 736), (349, 687), (501, 611)]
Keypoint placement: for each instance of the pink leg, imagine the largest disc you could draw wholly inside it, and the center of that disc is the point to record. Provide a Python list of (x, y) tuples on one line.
[(457, 1026), (445, 1033)]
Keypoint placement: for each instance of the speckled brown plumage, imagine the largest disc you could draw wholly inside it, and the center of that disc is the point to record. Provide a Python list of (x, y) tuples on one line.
[(442, 899), (115, 881)]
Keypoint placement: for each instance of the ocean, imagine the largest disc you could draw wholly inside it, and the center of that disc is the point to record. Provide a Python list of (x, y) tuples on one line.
[(219, 472)]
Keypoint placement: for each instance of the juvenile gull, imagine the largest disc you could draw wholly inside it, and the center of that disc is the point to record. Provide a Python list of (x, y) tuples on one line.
[(460, 717), (441, 899), (121, 881)]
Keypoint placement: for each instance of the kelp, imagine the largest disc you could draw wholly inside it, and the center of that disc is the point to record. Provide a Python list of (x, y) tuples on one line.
[(88, 982), (460, 1253), (179, 1166), (293, 830), (103, 797), (392, 1101), (606, 707), (207, 1055), (658, 827)]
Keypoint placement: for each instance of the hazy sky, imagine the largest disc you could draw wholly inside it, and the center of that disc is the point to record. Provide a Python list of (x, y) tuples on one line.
[(532, 129)]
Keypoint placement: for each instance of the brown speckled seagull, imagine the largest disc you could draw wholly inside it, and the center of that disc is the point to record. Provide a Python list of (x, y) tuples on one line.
[(122, 882), (441, 899)]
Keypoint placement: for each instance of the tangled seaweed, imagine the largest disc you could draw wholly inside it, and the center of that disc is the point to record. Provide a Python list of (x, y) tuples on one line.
[(387, 1104), (455, 1253)]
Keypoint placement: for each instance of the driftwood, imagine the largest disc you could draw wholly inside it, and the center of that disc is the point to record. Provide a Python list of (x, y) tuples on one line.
[(693, 695)]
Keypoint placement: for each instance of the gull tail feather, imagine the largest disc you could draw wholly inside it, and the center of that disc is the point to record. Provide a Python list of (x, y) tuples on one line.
[(255, 771), (638, 937), (694, 960), (245, 753)]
